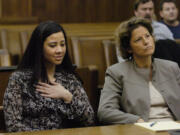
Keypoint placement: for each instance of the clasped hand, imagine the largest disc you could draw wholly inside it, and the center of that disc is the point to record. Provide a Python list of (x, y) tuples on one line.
[(55, 90)]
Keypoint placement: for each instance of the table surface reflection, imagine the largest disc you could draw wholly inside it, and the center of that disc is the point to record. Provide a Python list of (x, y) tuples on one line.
[(98, 130)]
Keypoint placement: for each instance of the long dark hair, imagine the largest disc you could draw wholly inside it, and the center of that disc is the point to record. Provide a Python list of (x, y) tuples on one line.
[(33, 58)]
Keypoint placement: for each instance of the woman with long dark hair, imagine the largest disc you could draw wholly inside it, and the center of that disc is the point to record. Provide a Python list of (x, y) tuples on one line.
[(45, 92)]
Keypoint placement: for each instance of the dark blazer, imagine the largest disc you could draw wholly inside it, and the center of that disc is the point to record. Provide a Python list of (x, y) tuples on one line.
[(125, 97), (168, 50)]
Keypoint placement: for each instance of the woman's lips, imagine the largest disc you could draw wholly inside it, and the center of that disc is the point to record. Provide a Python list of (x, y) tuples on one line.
[(148, 47), (58, 57)]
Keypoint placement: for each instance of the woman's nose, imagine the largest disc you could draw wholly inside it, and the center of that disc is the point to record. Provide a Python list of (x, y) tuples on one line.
[(59, 48), (145, 40)]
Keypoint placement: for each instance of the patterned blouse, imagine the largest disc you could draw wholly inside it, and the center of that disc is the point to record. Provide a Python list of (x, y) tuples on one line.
[(25, 111)]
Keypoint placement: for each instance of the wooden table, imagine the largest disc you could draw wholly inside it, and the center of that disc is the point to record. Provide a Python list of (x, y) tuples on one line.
[(100, 130)]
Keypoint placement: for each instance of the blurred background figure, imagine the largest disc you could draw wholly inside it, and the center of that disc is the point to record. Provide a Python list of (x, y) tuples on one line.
[(169, 15), (145, 9)]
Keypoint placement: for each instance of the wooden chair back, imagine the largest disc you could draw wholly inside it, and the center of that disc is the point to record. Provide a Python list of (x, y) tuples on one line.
[(89, 51), (5, 59), (3, 39), (110, 52), (10, 41), (24, 38)]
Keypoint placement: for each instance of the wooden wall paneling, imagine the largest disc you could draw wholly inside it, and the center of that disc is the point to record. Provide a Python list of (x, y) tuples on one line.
[(102, 10), (16, 8), (82, 10), (16, 12), (0, 8), (68, 11), (50, 10), (29, 11), (110, 11), (39, 8), (54, 9), (72, 11), (89, 12)]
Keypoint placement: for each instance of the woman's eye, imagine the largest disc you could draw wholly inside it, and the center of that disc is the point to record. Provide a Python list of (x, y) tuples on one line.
[(62, 44), (138, 39), (52, 45), (147, 35)]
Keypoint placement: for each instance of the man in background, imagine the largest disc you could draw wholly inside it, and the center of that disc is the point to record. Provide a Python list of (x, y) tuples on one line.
[(145, 9), (169, 15)]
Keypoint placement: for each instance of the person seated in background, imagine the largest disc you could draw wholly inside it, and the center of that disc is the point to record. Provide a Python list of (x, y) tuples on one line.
[(142, 88), (145, 9), (169, 15), (169, 49), (45, 92)]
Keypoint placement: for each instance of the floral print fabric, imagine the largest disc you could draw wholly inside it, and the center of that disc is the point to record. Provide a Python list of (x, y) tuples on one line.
[(28, 111)]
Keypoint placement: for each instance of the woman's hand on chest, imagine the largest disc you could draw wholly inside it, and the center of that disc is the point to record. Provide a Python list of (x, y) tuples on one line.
[(54, 90)]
